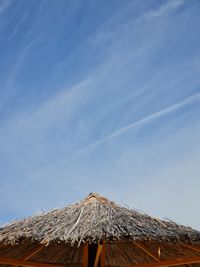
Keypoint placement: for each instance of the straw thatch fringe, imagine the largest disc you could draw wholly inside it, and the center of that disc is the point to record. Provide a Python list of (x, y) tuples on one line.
[(95, 219)]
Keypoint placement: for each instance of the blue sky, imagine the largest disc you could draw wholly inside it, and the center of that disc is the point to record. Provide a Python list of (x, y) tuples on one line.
[(100, 96)]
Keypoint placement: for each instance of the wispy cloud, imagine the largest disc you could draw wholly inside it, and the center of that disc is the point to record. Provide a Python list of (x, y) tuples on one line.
[(18, 25), (10, 84), (4, 5), (122, 78), (188, 101), (161, 10)]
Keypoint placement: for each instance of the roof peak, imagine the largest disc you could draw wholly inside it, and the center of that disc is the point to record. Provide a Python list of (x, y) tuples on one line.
[(96, 197), (94, 194)]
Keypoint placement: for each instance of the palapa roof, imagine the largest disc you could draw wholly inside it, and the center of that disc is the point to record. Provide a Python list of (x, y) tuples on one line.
[(131, 236), (94, 219)]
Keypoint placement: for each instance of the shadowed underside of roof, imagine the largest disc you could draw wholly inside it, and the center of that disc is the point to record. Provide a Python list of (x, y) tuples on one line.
[(119, 236), (118, 254)]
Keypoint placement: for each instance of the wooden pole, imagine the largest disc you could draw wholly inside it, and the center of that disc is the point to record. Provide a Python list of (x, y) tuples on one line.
[(197, 249), (94, 255), (33, 252), (85, 255), (103, 255), (98, 254), (144, 249)]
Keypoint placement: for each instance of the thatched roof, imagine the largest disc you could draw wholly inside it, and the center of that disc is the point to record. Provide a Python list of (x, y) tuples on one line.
[(94, 219), (61, 238)]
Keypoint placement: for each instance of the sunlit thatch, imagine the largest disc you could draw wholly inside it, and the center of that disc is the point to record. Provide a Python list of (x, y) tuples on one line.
[(62, 234)]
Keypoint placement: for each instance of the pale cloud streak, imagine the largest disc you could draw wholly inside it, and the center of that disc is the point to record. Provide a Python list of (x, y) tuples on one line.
[(129, 87), (167, 6), (10, 85), (148, 119), (4, 5)]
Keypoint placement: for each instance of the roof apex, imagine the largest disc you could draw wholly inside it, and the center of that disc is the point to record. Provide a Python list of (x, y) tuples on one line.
[(96, 197)]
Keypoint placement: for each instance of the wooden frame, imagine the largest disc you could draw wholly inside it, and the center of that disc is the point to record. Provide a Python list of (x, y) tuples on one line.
[(85, 255), (98, 254), (7, 261), (33, 253), (103, 255), (191, 247), (144, 249), (175, 262)]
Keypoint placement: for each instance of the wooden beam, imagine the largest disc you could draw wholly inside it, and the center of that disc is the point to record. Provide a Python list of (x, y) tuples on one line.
[(191, 247), (85, 255), (8, 261), (33, 252), (175, 262), (143, 248), (98, 254), (103, 255)]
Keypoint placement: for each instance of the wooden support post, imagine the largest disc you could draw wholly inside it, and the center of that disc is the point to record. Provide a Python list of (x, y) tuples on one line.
[(94, 255), (103, 255), (98, 254), (85, 255)]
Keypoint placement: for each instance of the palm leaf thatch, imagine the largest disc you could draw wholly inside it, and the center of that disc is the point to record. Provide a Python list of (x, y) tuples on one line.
[(117, 235)]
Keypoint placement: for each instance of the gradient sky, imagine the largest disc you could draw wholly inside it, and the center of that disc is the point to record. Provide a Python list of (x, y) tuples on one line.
[(100, 96)]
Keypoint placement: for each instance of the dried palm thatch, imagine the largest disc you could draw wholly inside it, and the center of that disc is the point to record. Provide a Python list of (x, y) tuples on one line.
[(64, 236), (95, 219)]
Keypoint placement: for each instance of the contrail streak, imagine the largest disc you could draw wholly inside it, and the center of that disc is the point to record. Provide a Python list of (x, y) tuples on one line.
[(190, 100)]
